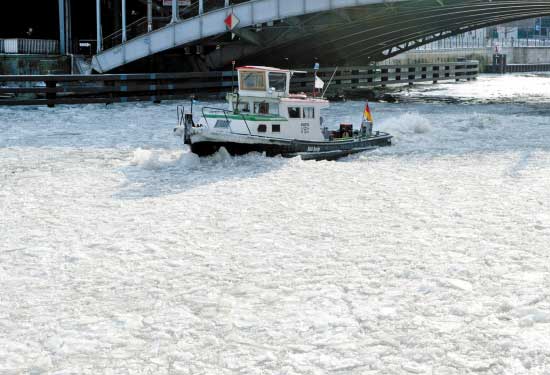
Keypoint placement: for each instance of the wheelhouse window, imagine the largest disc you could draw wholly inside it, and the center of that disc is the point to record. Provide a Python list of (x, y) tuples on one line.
[(222, 124), (275, 128), (294, 112), (243, 107), (264, 108), (261, 108), (253, 81), (277, 81), (309, 112)]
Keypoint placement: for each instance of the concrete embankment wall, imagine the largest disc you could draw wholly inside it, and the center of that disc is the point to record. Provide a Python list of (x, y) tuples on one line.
[(515, 55), (537, 55), (47, 64), (34, 64)]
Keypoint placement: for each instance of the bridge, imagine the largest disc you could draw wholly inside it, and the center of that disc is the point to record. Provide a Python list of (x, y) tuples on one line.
[(296, 32)]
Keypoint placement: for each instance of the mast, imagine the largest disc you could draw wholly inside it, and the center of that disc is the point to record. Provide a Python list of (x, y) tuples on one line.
[(315, 70)]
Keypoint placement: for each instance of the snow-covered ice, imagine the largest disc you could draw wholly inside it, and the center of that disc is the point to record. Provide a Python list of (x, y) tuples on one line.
[(122, 253)]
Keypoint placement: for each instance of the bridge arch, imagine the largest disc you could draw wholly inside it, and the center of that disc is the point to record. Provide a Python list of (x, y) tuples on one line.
[(335, 31)]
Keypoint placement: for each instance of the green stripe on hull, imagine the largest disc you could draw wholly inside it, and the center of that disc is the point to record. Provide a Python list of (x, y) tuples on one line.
[(248, 117)]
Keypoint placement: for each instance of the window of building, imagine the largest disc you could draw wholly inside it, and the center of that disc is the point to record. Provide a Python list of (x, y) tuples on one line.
[(262, 128), (294, 112), (309, 112), (275, 128), (253, 81), (277, 81)]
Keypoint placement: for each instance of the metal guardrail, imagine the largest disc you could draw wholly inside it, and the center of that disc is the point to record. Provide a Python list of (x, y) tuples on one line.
[(110, 88), (357, 78), (29, 46), (133, 30), (454, 43), (140, 26)]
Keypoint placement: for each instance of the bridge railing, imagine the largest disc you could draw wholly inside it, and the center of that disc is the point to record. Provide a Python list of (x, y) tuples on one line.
[(133, 30), (141, 26), (469, 43)]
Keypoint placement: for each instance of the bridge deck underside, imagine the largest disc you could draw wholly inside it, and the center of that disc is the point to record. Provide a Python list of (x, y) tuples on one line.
[(360, 34)]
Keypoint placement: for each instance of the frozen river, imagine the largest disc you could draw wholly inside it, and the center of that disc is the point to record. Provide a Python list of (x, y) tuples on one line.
[(122, 254)]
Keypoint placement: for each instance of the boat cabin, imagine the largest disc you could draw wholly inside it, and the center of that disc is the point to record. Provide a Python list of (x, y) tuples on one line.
[(262, 81), (264, 102)]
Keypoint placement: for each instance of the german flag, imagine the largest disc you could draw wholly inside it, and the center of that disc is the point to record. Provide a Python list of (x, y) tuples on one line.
[(367, 115)]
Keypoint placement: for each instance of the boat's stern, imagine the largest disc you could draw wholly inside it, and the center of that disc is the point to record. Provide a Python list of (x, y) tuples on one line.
[(186, 127)]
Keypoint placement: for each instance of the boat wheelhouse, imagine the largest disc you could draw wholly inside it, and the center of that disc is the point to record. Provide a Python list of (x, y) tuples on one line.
[(263, 116)]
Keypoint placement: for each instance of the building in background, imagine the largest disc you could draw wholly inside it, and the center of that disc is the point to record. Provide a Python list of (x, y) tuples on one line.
[(527, 29), (531, 32)]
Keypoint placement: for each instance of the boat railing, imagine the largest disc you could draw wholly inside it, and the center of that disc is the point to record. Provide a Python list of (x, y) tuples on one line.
[(226, 114), (181, 114)]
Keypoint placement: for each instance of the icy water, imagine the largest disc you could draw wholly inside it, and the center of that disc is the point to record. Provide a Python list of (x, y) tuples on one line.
[(122, 254)]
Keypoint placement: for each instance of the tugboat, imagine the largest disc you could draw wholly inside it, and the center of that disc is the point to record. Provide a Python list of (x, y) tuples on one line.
[(263, 116)]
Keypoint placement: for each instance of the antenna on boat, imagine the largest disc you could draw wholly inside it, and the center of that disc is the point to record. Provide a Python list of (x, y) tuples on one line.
[(236, 109), (288, 63), (330, 81)]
